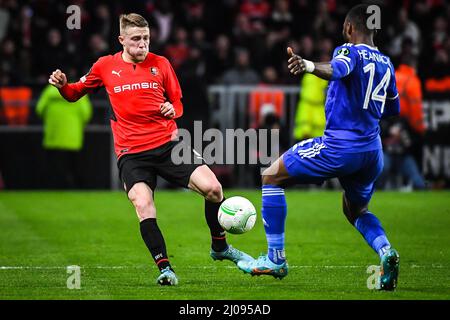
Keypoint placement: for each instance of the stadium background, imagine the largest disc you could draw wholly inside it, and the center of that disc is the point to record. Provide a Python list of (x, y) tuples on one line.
[(202, 40)]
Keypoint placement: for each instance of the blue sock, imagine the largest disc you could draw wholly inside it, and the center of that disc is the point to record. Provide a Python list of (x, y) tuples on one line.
[(370, 228), (274, 211)]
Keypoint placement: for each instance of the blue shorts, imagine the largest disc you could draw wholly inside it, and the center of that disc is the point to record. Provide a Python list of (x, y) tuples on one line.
[(312, 162)]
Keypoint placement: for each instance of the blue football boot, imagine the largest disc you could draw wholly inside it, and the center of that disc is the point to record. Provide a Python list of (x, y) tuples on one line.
[(264, 266)]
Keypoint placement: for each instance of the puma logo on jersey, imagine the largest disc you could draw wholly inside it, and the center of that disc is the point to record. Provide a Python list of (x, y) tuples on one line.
[(116, 73)]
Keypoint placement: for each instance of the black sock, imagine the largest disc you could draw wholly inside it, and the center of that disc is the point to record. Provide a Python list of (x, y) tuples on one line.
[(154, 241), (219, 242)]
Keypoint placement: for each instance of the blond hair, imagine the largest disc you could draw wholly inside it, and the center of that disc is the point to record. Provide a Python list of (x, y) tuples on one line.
[(132, 20)]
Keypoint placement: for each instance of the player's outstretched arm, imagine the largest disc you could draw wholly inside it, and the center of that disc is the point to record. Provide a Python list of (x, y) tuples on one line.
[(298, 65), (71, 92)]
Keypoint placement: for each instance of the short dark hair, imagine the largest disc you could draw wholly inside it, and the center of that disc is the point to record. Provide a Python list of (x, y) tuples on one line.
[(358, 16)]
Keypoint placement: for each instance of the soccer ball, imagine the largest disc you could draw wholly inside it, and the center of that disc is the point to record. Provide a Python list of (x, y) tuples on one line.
[(237, 215)]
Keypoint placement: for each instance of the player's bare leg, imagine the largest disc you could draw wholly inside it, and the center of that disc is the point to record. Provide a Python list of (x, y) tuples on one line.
[(370, 228), (204, 182), (141, 196), (274, 211), (276, 175)]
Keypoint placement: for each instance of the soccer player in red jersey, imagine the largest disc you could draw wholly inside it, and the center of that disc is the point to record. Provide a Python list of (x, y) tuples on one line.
[(146, 98)]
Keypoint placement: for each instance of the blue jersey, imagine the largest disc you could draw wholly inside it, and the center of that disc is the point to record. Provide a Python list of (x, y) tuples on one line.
[(358, 96)]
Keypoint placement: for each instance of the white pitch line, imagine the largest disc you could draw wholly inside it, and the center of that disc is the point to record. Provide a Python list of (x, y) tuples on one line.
[(144, 267), (433, 266)]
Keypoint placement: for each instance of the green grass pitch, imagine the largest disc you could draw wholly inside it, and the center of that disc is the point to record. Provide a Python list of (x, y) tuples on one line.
[(44, 232)]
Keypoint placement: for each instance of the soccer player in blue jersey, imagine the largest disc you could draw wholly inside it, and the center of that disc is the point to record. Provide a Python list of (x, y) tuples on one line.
[(362, 91)]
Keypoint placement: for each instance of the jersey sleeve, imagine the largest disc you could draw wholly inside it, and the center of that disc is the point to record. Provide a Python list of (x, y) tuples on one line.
[(392, 104), (87, 83), (172, 88), (344, 61), (392, 92)]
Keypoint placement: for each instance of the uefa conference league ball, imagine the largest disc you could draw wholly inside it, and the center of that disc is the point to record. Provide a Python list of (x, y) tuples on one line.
[(237, 215)]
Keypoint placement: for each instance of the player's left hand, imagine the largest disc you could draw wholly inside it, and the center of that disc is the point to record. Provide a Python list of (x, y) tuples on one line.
[(167, 110), (296, 64)]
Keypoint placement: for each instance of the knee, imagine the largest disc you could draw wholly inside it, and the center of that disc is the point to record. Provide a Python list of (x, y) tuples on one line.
[(141, 204), (268, 179), (144, 207), (214, 192), (272, 176)]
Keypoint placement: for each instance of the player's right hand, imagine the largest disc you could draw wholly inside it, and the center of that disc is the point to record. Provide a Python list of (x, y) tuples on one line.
[(296, 64), (58, 79)]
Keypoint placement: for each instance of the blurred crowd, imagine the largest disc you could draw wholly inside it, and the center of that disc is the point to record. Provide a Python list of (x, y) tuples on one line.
[(220, 41), (230, 42)]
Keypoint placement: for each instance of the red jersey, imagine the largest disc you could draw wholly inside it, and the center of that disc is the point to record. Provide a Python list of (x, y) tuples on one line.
[(136, 92)]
